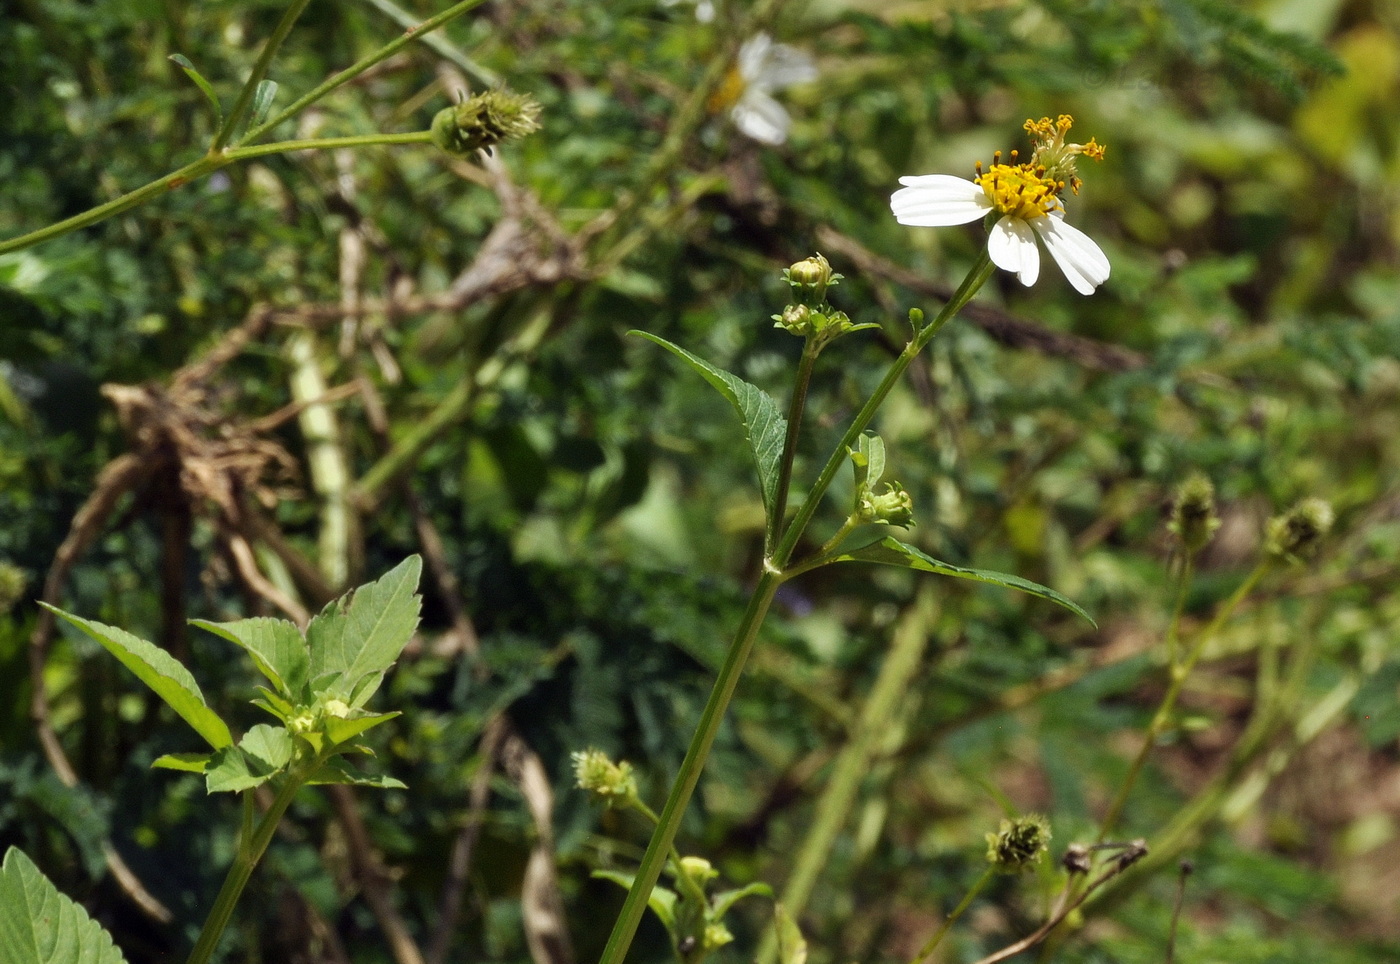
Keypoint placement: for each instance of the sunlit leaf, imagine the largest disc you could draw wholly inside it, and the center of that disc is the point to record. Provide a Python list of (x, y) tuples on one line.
[(361, 634), (39, 925)]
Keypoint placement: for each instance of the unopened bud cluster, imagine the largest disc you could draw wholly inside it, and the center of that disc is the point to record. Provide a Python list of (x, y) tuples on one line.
[(1193, 517), (1295, 535), (891, 507), (809, 316), (1018, 844), (613, 783), (484, 120)]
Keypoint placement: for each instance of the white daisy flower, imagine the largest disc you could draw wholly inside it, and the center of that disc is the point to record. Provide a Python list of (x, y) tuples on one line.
[(763, 67), (704, 9), (1026, 198)]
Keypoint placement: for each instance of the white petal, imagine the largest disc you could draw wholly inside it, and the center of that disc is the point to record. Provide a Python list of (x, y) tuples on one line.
[(752, 55), (1082, 261), (784, 66), (1012, 247), (705, 11), (935, 200), (761, 117)]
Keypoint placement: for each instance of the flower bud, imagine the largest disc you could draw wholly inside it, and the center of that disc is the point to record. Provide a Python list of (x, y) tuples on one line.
[(1193, 518), (716, 935), (612, 782), (796, 319), (810, 278), (1018, 844), (337, 708), (484, 120), (698, 869), (1295, 535), (893, 507)]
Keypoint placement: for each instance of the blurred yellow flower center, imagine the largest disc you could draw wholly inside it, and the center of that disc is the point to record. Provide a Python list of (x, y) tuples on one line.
[(1020, 190), (728, 92)]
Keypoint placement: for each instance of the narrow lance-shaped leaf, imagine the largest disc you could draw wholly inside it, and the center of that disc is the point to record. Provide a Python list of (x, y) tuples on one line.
[(184, 64), (39, 925), (336, 771), (763, 422), (662, 901), (890, 551), (277, 648), (362, 633), (262, 102), (161, 672)]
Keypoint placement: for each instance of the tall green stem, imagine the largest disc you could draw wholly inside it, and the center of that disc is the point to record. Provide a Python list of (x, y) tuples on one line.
[(260, 68), (978, 276), (794, 426), (1179, 673), (710, 719), (952, 918), (252, 844)]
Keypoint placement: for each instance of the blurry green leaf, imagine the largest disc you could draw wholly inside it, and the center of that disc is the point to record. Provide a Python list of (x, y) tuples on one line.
[(891, 552), (338, 730), (161, 672), (360, 635), (764, 424), (338, 772), (662, 901), (723, 901), (39, 925), (277, 648), (792, 946), (262, 102), (214, 108), (189, 762)]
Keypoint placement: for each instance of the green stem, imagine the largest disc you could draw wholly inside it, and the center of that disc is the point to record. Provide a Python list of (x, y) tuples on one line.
[(976, 277), (794, 426), (1178, 677), (1174, 628), (252, 843), (663, 839), (952, 918), (260, 68), (687, 882), (360, 66), (192, 172)]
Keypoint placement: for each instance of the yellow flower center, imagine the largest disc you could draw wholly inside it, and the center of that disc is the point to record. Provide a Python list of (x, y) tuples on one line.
[(1019, 190), (728, 93)]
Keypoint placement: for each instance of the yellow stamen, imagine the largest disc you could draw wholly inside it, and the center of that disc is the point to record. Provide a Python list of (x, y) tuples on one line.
[(728, 92), (1020, 190)]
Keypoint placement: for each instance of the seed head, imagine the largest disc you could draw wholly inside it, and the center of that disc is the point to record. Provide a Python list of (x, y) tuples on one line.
[(484, 120), (1295, 535), (1019, 843)]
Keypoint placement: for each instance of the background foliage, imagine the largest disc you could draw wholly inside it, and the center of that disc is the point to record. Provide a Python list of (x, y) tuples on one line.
[(597, 514)]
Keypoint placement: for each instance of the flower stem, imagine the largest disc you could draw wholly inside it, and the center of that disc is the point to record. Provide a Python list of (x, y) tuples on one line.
[(1179, 673), (952, 918), (252, 843), (260, 68), (794, 426), (976, 277), (710, 719)]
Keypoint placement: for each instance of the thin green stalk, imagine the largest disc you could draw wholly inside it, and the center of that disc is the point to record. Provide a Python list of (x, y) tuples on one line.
[(663, 839), (360, 66), (687, 882), (952, 918), (326, 144), (252, 844), (976, 277), (853, 763), (260, 68), (1183, 584), (1179, 673), (794, 427), (437, 43)]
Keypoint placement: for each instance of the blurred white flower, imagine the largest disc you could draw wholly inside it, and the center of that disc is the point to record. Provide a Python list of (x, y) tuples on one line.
[(704, 9), (1026, 198), (763, 67)]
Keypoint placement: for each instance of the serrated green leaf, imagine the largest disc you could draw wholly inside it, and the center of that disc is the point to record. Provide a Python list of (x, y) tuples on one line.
[(337, 772), (662, 901), (792, 946), (188, 762), (277, 648), (39, 925), (161, 672), (263, 752), (338, 730), (890, 551), (764, 424), (262, 102), (184, 64), (362, 633), (723, 901)]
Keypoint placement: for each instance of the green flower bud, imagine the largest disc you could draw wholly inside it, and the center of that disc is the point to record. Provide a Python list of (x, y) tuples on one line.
[(796, 319), (810, 278), (892, 507), (716, 935), (484, 120), (1018, 844), (304, 722), (1193, 519), (1295, 535), (698, 869), (337, 708), (612, 782)]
